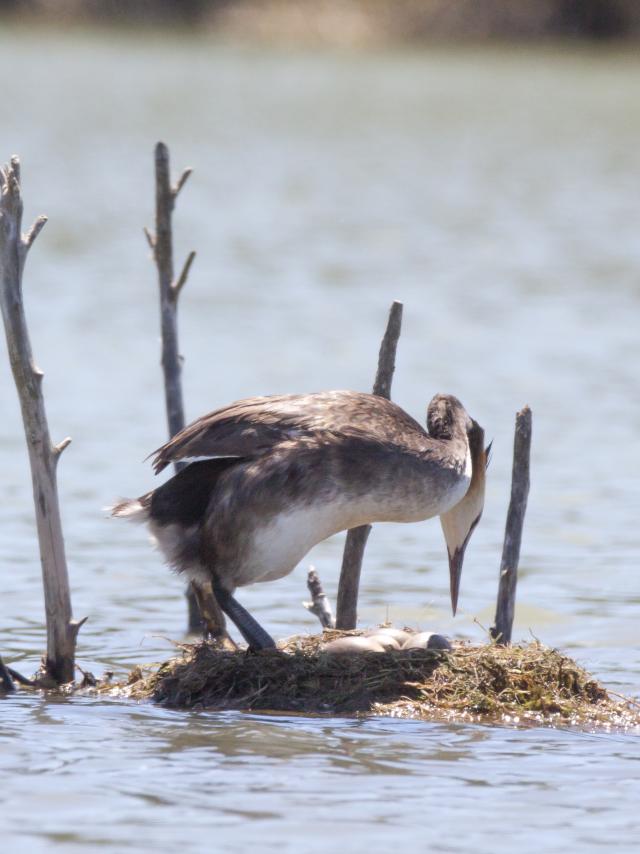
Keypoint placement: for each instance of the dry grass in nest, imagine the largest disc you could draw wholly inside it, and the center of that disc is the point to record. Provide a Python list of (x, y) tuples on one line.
[(517, 684)]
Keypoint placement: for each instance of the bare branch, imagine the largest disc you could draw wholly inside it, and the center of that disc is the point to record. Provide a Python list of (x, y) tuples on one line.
[(349, 584), (181, 182), (12, 208), (163, 256), (209, 615), (34, 231), (76, 625), (59, 664), (150, 239), (177, 286), (506, 604), (387, 354), (14, 185), (319, 604), (15, 167), (59, 448), (162, 245)]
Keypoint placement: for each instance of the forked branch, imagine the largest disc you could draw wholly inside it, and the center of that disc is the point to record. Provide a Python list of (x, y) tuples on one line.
[(43, 455), (161, 244)]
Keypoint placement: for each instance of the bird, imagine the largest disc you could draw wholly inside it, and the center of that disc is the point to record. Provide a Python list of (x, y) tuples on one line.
[(267, 478)]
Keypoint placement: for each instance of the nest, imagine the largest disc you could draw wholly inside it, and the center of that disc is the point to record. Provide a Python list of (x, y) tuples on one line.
[(517, 684)]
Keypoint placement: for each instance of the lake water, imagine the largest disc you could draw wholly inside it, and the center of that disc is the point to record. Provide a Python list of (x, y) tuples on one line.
[(496, 194)]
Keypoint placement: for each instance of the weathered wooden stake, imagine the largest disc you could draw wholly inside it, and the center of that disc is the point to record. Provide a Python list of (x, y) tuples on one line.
[(319, 604), (505, 607), (161, 244), (347, 602), (62, 629)]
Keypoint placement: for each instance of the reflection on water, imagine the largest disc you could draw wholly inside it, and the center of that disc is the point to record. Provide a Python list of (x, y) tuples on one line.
[(495, 194), (261, 780)]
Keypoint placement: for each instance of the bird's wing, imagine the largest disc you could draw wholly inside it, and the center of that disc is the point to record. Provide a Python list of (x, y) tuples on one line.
[(252, 427)]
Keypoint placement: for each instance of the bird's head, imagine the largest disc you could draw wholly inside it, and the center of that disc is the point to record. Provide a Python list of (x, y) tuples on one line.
[(447, 418)]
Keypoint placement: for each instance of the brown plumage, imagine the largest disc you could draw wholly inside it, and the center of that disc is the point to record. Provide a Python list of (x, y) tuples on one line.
[(253, 427), (269, 477)]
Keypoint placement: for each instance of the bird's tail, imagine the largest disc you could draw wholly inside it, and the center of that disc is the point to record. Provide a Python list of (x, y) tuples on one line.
[(133, 509)]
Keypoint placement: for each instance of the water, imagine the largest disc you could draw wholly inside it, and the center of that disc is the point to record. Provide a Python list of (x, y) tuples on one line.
[(495, 193)]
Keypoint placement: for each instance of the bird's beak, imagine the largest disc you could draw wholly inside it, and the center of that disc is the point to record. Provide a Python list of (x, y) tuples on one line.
[(459, 523)]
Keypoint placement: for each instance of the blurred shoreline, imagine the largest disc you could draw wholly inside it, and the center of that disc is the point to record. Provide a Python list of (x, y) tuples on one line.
[(351, 22)]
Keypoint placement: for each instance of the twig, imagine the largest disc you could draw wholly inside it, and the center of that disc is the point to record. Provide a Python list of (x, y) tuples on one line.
[(181, 182), (505, 607), (630, 700), (319, 604), (177, 286), (347, 602), (35, 230), (161, 244), (43, 456), (59, 448)]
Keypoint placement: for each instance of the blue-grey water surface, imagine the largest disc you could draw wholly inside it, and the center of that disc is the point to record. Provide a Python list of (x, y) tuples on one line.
[(496, 193)]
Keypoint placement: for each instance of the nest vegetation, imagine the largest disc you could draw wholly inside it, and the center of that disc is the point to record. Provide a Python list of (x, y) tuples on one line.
[(515, 684)]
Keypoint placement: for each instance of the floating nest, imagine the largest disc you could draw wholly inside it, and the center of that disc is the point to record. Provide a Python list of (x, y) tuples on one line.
[(515, 685)]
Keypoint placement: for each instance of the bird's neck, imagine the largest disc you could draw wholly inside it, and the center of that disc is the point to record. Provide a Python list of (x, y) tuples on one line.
[(454, 452)]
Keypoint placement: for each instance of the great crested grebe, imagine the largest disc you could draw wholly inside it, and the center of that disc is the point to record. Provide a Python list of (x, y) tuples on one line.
[(270, 477)]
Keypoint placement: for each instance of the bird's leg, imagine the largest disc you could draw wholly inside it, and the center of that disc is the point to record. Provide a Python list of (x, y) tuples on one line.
[(249, 628), (213, 622), (6, 682)]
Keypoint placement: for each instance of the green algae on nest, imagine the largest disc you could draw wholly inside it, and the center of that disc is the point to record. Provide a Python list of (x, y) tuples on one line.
[(517, 684)]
